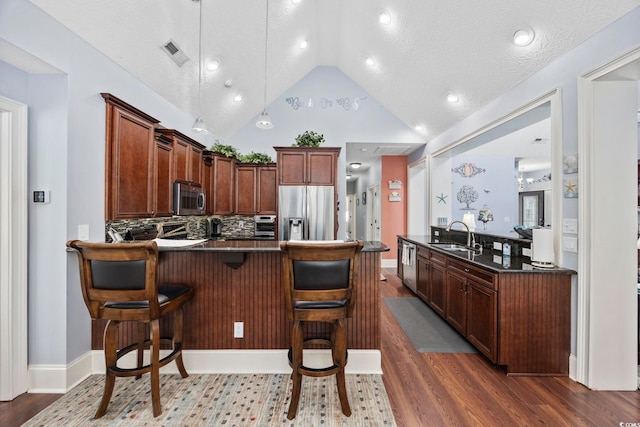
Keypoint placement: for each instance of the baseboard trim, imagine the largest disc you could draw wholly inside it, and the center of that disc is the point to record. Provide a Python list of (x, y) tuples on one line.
[(573, 367), (62, 378), (389, 263)]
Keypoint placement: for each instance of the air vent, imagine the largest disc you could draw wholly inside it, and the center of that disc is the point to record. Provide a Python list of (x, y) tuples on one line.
[(540, 141), (173, 50), (393, 149)]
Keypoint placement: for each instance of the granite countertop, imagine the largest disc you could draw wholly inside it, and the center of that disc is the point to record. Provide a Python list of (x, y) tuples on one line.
[(260, 245), (488, 259)]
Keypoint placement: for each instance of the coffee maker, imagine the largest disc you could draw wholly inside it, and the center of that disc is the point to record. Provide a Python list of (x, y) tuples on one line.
[(214, 227)]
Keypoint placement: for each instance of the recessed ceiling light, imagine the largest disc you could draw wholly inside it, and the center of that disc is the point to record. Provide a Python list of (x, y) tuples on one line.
[(238, 97), (523, 37), (213, 65), (419, 128), (370, 61), (303, 44), (295, 1), (453, 98), (384, 17)]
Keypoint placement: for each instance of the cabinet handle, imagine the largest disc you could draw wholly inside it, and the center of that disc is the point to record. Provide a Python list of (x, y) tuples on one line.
[(466, 270)]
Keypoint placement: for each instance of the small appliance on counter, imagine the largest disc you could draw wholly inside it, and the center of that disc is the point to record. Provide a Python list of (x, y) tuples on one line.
[(188, 199), (214, 228), (265, 226)]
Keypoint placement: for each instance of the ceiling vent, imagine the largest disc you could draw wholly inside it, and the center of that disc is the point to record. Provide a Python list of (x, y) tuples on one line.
[(393, 149), (173, 50)]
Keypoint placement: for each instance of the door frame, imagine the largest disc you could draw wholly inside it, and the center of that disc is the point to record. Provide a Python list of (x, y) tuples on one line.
[(13, 248), (418, 196)]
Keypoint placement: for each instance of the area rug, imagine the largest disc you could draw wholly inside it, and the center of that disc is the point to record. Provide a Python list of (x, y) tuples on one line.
[(427, 331), (222, 400)]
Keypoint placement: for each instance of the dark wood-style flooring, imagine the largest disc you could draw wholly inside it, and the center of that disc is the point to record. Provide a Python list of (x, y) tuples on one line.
[(431, 389)]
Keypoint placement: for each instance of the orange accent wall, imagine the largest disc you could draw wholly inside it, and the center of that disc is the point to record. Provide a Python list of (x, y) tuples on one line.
[(394, 214)]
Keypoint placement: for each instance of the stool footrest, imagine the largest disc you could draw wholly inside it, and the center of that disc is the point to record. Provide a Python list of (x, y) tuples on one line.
[(130, 372)]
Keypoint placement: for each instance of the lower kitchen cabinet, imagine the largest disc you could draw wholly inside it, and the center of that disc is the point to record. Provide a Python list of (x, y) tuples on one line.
[(518, 319)]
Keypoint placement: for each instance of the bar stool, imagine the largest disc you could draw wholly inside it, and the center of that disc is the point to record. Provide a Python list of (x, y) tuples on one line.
[(319, 281), (119, 283)]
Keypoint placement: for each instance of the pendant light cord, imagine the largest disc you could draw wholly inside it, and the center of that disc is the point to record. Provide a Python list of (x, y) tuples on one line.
[(266, 35), (200, 62)]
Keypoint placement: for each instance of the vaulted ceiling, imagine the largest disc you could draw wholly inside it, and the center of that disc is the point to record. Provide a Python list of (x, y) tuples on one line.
[(429, 49)]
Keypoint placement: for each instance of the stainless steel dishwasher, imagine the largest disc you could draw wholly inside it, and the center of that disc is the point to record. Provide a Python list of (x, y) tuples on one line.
[(409, 265)]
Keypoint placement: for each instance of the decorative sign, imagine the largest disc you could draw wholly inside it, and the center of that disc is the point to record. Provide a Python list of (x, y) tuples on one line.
[(570, 186), (395, 184), (395, 197), (468, 170), (346, 103), (570, 164)]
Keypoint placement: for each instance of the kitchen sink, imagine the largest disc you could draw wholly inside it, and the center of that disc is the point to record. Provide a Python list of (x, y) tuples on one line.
[(454, 247)]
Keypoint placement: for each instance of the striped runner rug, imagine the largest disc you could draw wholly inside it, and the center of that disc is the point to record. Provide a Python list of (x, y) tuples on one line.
[(222, 400)]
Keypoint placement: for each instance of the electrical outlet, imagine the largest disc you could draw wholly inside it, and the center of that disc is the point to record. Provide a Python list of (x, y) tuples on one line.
[(497, 246), (238, 329), (526, 252), (436, 232), (507, 219)]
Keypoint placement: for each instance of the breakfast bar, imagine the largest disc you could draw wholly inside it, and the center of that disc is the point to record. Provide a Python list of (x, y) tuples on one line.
[(241, 281)]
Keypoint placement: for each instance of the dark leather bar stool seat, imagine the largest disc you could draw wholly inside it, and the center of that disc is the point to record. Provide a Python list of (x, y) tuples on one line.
[(319, 280), (119, 283)]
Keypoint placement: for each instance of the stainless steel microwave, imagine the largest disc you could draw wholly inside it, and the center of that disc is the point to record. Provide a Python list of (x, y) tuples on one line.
[(188, 199)]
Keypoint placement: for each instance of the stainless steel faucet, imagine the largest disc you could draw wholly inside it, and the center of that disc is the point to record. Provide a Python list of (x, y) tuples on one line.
[(469, 233)]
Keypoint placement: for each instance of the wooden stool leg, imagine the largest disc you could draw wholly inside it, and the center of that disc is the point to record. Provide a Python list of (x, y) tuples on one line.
[(141, 338), (155, 367), (340, 351), (178, 323), (110, 360), (297, 345)]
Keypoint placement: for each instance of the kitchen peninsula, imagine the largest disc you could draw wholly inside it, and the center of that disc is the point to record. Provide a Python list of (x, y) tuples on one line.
[(241, 281)]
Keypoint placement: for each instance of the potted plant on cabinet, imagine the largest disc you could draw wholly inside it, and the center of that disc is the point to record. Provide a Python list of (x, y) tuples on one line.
[(309, 139)]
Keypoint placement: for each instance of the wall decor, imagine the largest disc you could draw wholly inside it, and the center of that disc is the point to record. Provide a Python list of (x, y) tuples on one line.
[(395, 197), (345, 102), (468, 170), (364, 197), (395, 184), (467, 194), (442, 198), (570, 186), (570, 164)]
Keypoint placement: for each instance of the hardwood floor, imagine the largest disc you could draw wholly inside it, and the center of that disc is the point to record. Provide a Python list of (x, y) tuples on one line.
[(430, 389)]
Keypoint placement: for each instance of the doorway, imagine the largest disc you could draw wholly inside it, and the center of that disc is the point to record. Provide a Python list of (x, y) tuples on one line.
[(13, 248), (374, 231)]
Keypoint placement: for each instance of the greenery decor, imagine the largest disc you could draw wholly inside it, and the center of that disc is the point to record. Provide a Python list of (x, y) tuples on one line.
[(258, 158), (309, 139), (227, 150)]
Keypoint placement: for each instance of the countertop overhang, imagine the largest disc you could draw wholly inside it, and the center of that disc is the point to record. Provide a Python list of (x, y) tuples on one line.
[(254, 246)]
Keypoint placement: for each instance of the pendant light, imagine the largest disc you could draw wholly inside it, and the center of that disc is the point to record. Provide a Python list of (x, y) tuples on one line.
[(264, 121), (199, 125)]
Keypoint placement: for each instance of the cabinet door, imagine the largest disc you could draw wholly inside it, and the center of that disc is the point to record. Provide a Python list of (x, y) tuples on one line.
[(456, 311), (195, 168), (163, 179), (267, 190), (422, 278), (206, 179), (130, 168), (223, 185), (321, 167), (181, 159), (246, 180), (437, 282), (292, 167), (483, 313)]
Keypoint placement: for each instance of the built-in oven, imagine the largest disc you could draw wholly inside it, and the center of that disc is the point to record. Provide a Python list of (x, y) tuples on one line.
[(265, 226)]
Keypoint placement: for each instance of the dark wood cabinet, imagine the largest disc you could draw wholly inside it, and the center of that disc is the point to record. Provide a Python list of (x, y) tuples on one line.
[(307, 165), (223, 184), (206, 179), (187, 156), (437, 283), (267, 190), (400, 269), (163, 176), (246, 189), (129, 168), (517, 319)]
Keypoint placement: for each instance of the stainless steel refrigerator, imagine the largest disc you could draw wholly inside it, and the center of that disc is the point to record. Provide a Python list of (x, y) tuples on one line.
[(306, 212)]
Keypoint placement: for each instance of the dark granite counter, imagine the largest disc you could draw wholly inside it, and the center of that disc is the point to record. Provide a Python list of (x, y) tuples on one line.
[(261, 245), (489, 259)]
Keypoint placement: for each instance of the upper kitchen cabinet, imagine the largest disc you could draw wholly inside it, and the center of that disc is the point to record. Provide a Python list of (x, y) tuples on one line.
[(187, 156), (163, 173), (307, 165), (255, 189), (130, 164), (222, 200)]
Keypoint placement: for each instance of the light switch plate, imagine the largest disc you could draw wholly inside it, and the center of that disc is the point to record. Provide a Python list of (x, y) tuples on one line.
[(570, 244), (526, 252), (570, 226), (238, 329), (497, 246)]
